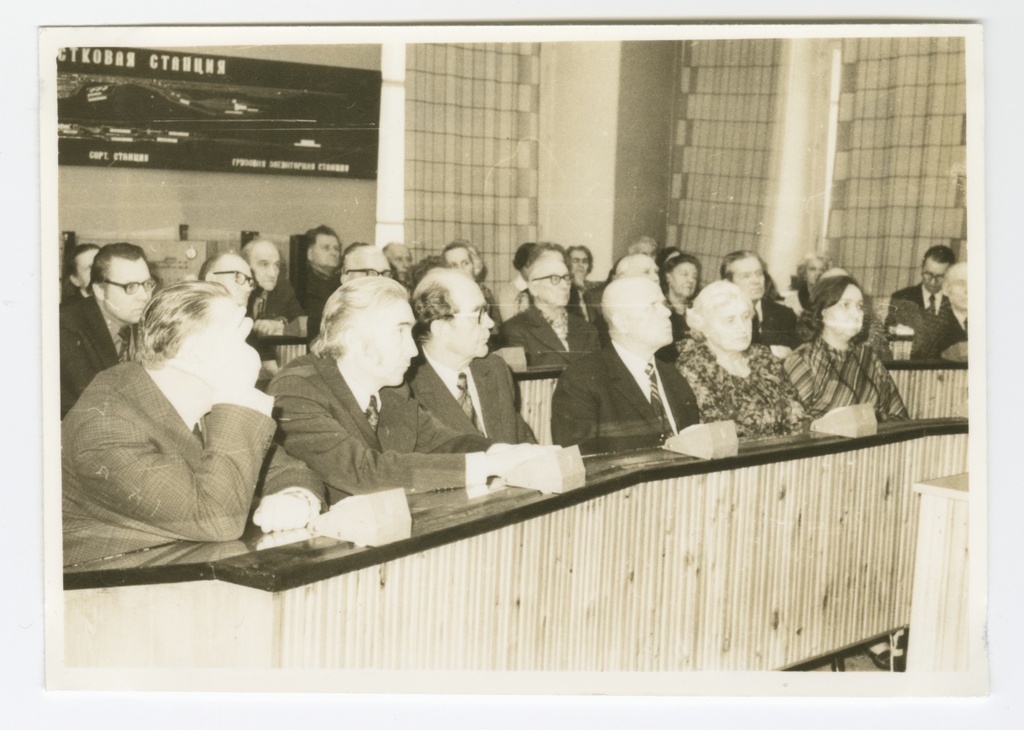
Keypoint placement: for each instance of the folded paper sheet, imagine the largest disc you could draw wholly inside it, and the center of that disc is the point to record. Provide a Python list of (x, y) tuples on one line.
[(849, 421), (706, 440), (555, 472), (367, 519)]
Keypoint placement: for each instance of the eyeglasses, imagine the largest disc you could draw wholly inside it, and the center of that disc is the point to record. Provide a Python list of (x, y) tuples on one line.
[(369, 272), (240, 278), (477, 314), (555, 279), (133, 286), (928, 276)]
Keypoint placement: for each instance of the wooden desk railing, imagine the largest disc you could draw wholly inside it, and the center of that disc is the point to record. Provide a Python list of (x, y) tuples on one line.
[(930, 389), (792, 550)]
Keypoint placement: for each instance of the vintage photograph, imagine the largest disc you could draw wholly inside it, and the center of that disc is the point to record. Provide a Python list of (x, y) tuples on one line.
[(617, 359)]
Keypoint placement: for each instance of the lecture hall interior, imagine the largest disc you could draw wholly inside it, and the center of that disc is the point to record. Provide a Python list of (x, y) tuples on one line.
[(794, 553)]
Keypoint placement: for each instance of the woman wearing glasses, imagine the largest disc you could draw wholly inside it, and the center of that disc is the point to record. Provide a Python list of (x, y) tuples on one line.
[(547, 331)]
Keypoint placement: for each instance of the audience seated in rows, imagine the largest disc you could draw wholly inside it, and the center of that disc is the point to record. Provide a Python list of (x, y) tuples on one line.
[(345, 411), (173, 446)]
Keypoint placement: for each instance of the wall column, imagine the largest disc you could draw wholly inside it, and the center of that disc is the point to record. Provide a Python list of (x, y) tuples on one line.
[(391, 149)]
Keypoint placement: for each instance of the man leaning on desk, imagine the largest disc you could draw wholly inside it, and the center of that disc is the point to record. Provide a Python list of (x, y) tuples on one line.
[(171, 446)]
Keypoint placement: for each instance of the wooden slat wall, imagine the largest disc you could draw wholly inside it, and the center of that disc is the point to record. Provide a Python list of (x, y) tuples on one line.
[(751, 569)]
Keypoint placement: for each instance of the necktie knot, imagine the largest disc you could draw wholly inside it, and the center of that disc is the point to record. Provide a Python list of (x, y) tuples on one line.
[(372, 413)]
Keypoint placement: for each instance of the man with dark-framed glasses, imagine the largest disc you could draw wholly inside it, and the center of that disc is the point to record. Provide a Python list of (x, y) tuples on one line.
[(548, 333), (232, 272), (99, 332), (454, 377)]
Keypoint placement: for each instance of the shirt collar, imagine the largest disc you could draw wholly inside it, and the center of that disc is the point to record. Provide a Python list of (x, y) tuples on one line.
[(636, 365), (448, 376)]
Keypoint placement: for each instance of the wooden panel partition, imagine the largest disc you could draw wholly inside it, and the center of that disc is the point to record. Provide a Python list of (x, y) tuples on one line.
[(786, 553)]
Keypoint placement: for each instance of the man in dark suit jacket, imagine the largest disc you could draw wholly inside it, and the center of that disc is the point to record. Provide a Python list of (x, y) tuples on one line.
[(172, 447), (345, 412), (924, 308), (774, 323), (547, 331), (98, 332), (945, 335), (455, 378), (623, 397)]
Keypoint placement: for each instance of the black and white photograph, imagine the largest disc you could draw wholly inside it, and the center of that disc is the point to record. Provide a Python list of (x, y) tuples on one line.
[(628, 360)]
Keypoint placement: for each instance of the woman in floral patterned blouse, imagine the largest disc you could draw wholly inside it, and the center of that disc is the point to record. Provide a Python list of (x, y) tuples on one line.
[(733, 379)]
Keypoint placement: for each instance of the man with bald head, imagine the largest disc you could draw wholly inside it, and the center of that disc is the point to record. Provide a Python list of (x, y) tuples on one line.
[(273, 306), (632, 264), (622, 397), (232, 272)]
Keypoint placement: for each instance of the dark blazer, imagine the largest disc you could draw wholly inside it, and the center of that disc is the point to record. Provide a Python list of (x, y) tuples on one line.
[(598, 405), (135, 476), (318, 290), (778, 326), (321, 423), (497, 408), (281, 302), (906, 307), (86, 348), (532, 332)]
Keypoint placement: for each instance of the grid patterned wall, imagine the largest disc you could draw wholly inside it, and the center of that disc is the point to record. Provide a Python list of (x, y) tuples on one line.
[(471, 148), (900, 171), (724, 126)]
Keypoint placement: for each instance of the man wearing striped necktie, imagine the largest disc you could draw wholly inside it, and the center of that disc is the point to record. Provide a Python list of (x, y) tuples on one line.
[(622, 397), (455, 378)]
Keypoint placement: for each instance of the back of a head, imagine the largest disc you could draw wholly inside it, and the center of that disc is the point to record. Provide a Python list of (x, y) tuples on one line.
[(173, 314), (636, 264), (121, 250), (349, 305), (643, 244)]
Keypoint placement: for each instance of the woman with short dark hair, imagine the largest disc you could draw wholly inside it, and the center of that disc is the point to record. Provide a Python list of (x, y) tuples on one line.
[(835, 368)]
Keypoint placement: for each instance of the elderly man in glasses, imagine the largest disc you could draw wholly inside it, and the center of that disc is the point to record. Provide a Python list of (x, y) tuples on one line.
[(99, 332), (455, 378), (547, 331)]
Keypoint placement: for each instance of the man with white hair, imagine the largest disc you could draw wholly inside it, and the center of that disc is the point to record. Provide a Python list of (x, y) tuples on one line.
[(400, 258), (463, 386), (345, 411), (622, 397), (273, 306)]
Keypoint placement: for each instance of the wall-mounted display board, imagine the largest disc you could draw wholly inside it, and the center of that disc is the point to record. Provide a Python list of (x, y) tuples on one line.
[(137, 108)]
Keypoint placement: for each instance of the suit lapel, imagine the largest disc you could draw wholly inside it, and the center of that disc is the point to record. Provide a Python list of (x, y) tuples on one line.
[(149, 399), (100, 334), (483, 378), (398, 420), (349, 407), (621, 381), (676, 391), (544, 332), (434, 394)]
